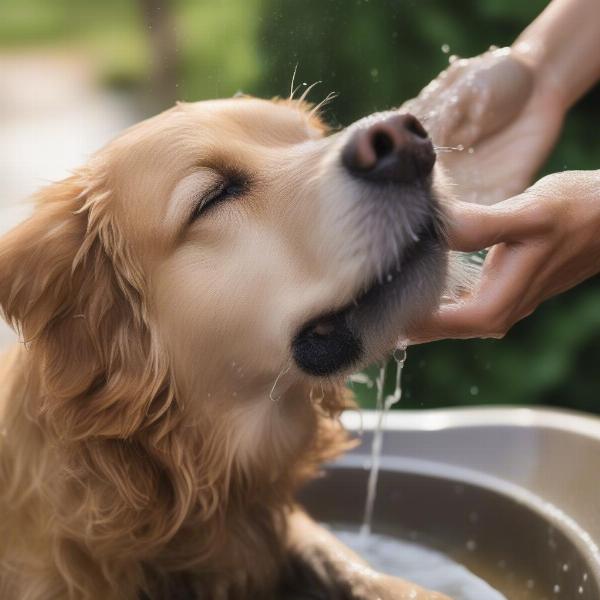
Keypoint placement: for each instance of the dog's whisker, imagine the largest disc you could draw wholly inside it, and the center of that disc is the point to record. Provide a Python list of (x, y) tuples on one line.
[(311, 396), (307, 91), (285, 370), (415, 238), (296, 89), (404, 223), (292, 89), (331, 96)]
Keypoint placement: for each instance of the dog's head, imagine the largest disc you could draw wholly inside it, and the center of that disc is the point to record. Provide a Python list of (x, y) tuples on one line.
[(222, 254), (275, 248)]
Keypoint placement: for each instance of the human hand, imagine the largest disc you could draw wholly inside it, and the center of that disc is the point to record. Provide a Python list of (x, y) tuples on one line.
[(545, 241), (501, 112)]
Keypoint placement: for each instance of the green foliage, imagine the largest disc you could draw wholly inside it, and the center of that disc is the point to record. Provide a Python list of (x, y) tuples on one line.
[(374, 54), (217, 47)]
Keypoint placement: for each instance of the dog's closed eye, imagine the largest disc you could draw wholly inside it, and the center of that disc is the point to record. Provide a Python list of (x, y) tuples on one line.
[(229, 188)]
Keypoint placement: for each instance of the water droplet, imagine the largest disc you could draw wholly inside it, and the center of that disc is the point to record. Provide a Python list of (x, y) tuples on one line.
[(471, 545), (452, 58), (580, 589), (445, 48), (460, 147), (361, 378), (556, 589), (374, 73), (471, 150), (530, 584), (585, 576), (474, 390), (400, 355), (565, 567)]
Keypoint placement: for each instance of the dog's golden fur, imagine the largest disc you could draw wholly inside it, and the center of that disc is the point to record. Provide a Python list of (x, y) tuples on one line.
[(118, 474), (106, 488), (102, 477)]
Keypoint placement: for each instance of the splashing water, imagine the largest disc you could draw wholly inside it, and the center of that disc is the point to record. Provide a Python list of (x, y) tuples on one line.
[(459, 148), (383, 408), (361, 378)]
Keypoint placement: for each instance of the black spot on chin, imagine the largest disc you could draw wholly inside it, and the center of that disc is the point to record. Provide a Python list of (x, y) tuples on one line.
[(322, 354)]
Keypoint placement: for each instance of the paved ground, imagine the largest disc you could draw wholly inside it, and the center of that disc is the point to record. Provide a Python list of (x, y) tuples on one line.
[(52, 116)]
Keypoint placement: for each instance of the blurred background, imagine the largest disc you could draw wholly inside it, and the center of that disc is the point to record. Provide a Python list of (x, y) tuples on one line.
[(75, 72)]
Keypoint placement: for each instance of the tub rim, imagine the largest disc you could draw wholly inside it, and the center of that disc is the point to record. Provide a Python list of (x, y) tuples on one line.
[(460, 418)]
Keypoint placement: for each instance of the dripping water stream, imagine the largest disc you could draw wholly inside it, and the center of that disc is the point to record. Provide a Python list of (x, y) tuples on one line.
[(383, 407)]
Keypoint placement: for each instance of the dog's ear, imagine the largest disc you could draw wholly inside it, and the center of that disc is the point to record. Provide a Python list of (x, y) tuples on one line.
[(36, 259), (71, 289)]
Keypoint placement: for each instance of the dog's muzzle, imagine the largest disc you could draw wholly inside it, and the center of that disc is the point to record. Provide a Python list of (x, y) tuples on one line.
[(391, 158)]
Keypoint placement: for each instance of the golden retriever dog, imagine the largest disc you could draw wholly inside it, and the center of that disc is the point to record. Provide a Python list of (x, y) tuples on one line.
[(190, 303)]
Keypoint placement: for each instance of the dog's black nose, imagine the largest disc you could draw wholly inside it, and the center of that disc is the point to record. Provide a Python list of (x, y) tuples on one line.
[(394, 149)]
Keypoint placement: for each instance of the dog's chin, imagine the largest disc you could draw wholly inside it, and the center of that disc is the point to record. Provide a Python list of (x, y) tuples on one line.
[(339, 341)]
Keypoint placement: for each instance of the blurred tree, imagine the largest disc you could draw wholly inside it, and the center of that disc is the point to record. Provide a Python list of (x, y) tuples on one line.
[(160, 23)]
